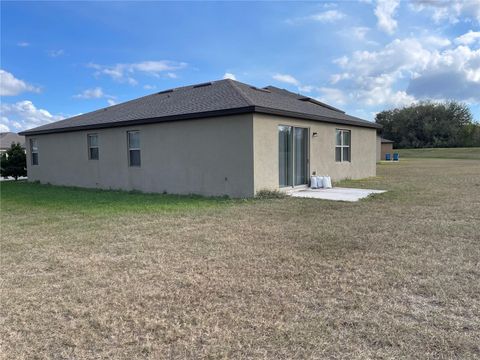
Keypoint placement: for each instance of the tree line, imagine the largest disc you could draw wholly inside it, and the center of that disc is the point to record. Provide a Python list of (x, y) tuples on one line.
[(430, 124)]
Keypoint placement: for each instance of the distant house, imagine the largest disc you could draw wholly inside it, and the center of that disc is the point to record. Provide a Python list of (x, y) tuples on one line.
[(384, 146), (9, 138), (217, 138)]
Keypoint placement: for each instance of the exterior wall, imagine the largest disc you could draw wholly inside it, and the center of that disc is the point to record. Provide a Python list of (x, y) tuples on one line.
[(387, 148), (205, 156), (379, 148), (322, 150)]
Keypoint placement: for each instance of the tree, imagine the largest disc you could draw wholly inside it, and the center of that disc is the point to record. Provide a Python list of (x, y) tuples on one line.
[(429, 124), (14, 162)]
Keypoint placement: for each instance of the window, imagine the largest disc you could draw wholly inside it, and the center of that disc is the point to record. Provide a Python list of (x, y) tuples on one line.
[(34, 151), (93, 146), (133, 138), (342, 145)]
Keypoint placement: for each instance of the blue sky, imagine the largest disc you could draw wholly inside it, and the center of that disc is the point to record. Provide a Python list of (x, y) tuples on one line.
[(60, 59)]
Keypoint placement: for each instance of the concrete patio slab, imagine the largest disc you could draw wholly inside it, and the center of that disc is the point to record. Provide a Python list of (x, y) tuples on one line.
[(336, 194)]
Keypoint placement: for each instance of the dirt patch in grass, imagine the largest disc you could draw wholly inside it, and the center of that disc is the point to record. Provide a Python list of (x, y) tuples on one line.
[(393, 276)]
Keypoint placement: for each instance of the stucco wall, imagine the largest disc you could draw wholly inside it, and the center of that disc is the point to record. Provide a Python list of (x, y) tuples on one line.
[(322, 150), (387, 148), (208, 156), (379, 148)]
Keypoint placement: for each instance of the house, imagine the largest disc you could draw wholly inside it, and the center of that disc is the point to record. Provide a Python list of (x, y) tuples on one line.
[(9, 138), (216, 138), (384, 146)]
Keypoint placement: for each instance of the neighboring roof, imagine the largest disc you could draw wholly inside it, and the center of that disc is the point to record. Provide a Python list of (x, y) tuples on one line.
[(386, 141), (7, 138), (217, 98)]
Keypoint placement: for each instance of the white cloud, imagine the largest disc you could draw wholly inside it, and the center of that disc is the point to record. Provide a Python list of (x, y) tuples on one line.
[(56, 53), (228, 75), (380, 91), (385, 11), (335, 78), (468, 38), (399, 55), (125, 72), (360, 32), (23, 44), (332, 96), (3, 127), (330, 5), (369, 91), (452, 74), (410, 69), (291, 80), (286, 78), (94, 93), (452, 11), (341, 61), (328, 16), (435, 41), (306, 88), (149, 87), (11, 86), (24, 115)]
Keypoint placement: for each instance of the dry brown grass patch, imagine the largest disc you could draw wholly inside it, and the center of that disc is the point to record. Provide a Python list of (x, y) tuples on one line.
[(395, 276)]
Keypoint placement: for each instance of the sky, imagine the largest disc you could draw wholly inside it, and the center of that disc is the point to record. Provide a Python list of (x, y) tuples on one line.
[(60, 59)]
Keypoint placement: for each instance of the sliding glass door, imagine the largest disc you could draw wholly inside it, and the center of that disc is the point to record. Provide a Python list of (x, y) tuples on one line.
[(300, 153), (285, 151), (293, 156)]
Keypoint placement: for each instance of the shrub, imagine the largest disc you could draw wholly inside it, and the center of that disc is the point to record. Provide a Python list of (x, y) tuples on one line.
[(14, 162)]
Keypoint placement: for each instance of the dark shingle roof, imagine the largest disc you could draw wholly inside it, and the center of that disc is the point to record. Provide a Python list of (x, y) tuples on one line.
[(223, 97), (8, 138)]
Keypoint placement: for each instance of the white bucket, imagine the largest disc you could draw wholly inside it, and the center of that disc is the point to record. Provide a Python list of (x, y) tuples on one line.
[(327, 182), (320, 181)]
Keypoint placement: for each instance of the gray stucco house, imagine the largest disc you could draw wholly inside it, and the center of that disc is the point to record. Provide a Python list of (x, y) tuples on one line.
[(217, 138), (9, 138)]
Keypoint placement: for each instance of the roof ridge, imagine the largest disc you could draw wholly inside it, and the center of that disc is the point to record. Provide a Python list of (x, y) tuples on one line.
[(240, 92)]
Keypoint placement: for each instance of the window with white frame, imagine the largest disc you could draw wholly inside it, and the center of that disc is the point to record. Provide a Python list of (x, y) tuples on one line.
[(93, 151), (342, 145), (34, 151), (133, 138)]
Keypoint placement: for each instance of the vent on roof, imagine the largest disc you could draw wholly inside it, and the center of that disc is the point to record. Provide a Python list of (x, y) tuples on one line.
[(165, 91), (258, 89), (316, 102), (202, 85)]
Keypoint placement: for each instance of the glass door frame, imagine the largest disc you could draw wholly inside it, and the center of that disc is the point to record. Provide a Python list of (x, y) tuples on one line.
[(307, 170)]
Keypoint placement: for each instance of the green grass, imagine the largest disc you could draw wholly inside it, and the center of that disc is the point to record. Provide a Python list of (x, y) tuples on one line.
[(91, 274), (441, 153), (21, 194)]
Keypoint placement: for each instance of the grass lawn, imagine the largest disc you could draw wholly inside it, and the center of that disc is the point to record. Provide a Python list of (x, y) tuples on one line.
[(91, 274), (441, 153)]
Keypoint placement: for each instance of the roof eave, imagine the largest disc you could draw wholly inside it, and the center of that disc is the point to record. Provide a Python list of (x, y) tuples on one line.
[(364, 123), (191, 116), (206, 114)]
